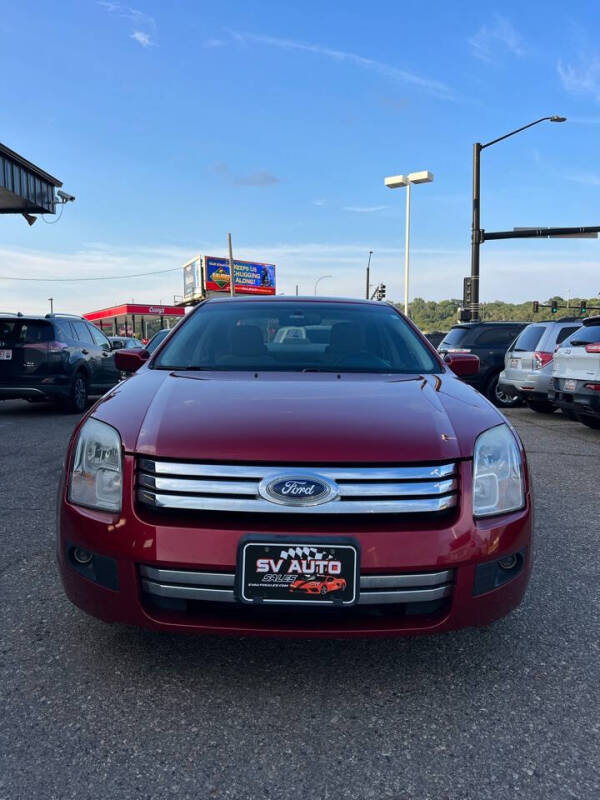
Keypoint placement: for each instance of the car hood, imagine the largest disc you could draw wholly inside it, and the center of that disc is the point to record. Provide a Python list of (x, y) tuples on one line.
[(297, 418)]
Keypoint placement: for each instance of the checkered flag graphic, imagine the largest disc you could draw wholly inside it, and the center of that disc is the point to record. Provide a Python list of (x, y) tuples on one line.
[(302, 552)]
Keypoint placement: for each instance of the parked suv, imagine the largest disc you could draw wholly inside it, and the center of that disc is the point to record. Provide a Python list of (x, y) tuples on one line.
[(56, 357), (529, 360), (232, 468), (576, 374), (489, 341)]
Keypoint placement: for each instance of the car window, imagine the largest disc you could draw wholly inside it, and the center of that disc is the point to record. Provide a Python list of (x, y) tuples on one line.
[(495, 336), (131, 343), (13, 332), (157, 339), (99, 338), (455, 336), (63, 332), (565, 332), (584, 335), (254, 336), (82, 332), (529, 338)]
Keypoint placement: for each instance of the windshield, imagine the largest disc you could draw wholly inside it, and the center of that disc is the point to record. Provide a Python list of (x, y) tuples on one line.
[(529, 339), (584, 335), (15, 332), (454, 336), (297, 336)]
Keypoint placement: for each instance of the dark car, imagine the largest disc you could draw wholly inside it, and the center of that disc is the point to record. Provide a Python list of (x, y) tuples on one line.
[(56, 357), (489, 341), (231, 464), (124, 342)]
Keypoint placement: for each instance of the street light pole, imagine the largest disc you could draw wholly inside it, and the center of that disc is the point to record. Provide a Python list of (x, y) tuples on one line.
[(394, 183), (368, 273), (51, 299), (320, 279), (476, 233), (407, 248)]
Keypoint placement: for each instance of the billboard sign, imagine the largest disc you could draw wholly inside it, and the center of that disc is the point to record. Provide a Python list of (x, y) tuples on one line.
[(250, 277), (191, 283)]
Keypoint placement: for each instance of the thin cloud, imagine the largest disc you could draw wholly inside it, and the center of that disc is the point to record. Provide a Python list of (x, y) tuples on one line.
[(364, 209), (142, 38), (582, 77), (429, 85), (214, 43), (319, 201), (260, 178), (143, 25), (492, 42), (586, 178)]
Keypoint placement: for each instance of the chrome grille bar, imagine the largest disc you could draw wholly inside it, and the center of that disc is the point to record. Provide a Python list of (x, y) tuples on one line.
[(218, 587), (235, 488)]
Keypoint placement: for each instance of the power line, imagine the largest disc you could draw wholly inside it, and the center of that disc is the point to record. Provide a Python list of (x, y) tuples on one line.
[(103, 278)]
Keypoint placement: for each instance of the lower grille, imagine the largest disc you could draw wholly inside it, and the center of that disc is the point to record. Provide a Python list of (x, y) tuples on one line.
[(178, 584)]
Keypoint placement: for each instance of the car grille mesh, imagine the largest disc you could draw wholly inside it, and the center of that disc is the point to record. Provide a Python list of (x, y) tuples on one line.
[(189, 486)]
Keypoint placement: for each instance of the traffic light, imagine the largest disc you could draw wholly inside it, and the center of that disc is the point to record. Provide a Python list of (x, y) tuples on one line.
[(380, 294), (583, 307), (467, 294), (554, 307), (464, 315), (536, 306)]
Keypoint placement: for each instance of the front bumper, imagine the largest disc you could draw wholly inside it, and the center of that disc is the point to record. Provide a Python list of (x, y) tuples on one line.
[(138, 542)]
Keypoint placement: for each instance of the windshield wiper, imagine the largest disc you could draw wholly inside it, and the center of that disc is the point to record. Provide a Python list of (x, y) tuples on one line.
[(320, 369)]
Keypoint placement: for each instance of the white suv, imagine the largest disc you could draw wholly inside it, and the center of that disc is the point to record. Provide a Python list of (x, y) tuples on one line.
[(576, 373)]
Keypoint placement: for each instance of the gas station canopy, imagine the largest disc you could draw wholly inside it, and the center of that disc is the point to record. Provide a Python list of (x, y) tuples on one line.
[(25, 188)]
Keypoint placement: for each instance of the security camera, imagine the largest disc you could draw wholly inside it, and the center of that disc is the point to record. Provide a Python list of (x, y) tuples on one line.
[(66, 198)]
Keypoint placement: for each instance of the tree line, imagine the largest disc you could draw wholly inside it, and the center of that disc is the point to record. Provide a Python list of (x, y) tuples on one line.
[(430, 315)]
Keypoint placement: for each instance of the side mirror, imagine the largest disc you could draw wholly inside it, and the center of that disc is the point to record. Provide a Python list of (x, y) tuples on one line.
[(462, 364), (130, 360)]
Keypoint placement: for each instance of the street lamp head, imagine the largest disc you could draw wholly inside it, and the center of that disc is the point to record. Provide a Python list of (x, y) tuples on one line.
[(421, 177), (396, 181), (556, 118)]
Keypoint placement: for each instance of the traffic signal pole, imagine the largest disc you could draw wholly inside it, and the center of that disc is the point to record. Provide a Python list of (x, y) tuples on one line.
[(475, 233)]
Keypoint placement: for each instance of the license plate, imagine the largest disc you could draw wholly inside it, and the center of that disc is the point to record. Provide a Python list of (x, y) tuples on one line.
[(570, 386), (5, 355), (514, 363), (286, 570)]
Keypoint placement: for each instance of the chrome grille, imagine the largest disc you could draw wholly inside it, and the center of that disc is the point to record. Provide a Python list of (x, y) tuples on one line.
[(178, 584), (188, 486)]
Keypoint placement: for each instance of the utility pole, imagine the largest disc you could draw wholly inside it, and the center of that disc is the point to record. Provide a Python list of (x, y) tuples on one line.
[(51, 299), (297, 290), (368, 272), (231, 276)]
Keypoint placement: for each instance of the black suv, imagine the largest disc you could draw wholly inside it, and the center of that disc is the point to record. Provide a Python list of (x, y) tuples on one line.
[(489, 341), (58, 356)]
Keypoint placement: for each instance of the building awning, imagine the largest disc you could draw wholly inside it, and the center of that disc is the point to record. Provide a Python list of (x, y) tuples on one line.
[(25, 188), (135, 308)]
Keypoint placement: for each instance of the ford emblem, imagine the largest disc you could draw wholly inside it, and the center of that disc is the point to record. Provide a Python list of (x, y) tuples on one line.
[(297, 489)]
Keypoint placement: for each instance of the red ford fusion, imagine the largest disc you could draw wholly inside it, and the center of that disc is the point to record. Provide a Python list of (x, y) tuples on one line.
[(270, 442)]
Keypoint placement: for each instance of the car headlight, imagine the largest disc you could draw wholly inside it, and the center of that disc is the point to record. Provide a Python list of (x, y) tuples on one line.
[(498, 481), (96, 479)]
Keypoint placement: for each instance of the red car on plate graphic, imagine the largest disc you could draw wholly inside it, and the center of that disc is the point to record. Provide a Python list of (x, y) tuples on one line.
[(322, 586)]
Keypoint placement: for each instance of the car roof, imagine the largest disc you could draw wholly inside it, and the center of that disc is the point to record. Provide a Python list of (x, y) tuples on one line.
[(287, 298), (489, 322), (41, 317), (588, 321)]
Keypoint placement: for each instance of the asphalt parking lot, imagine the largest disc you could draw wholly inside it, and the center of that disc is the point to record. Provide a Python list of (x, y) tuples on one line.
[(90, 710)]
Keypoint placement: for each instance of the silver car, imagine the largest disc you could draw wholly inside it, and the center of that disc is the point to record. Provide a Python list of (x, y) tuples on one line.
[(528, 362), (576, 374)]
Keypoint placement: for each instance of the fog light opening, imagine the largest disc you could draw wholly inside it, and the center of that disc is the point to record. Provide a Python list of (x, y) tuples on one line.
[(509, 562), (81, 556)]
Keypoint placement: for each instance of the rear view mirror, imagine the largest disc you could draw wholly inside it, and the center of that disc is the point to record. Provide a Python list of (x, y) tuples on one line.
[(462, 364), (130, 360)]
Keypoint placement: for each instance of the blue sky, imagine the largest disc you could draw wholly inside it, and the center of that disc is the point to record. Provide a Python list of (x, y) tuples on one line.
[(174, 123)]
